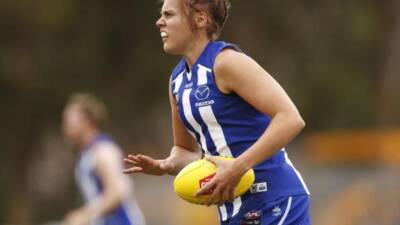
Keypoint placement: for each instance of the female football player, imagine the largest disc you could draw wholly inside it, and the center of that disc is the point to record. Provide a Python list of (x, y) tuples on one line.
[(108, 194), (228, 105)]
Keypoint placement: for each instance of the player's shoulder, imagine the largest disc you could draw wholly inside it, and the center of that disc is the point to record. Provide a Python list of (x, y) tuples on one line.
[(104, 150), (224, 53), (219, 46), (229, 58)]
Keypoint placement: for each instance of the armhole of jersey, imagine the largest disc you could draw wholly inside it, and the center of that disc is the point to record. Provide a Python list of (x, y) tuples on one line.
[(226, 46)]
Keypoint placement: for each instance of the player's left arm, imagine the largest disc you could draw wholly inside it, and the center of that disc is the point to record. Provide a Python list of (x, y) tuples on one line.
[(108, 168), (238, 73)]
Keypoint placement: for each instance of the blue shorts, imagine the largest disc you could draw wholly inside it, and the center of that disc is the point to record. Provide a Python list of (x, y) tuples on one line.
[(292, 210)]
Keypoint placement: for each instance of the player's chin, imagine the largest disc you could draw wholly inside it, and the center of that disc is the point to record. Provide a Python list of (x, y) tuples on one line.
[(168, 48)]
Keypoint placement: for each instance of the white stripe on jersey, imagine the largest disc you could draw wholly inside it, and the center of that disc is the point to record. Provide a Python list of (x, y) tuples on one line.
[(289, 204), (223, 213), (189, 117), (209, 119), (87, 183), (178, 82), (237, 203), (215, 130), (297, 172), (202, 74)]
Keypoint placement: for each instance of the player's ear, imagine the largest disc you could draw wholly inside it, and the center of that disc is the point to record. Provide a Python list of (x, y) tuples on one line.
[(201, 19)]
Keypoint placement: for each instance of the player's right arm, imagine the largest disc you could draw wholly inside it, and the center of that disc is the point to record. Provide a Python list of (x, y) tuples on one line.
[(184, 151)]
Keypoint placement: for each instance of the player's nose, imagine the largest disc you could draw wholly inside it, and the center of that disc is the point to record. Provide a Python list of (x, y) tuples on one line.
[(160, 22)]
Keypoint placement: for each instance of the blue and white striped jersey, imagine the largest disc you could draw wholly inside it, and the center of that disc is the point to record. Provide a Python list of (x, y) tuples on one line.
[(226, 125), (128, 212)]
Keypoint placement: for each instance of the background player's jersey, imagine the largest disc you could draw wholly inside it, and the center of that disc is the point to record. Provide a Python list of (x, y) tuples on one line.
[(225, 124), (90, 185)]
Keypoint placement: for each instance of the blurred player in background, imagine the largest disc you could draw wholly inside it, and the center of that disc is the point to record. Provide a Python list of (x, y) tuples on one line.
[(108, 193), (227, 104)]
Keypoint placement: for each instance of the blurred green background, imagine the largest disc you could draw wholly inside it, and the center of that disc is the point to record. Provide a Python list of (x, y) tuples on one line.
[(338, 60)]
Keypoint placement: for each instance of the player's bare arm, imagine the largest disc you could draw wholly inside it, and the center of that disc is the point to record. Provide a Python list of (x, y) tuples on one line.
[(184, 151), (108, 168), (238, 73), (185, 148)]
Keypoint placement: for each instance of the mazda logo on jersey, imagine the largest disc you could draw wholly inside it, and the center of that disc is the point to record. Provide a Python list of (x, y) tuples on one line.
[(202, 92)]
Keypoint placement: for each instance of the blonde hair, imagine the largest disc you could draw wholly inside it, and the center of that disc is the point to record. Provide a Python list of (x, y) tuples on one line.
[(93, 107)]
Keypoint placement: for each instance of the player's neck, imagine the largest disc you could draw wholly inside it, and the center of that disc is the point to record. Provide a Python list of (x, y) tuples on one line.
[(89, 136), (195, 51)]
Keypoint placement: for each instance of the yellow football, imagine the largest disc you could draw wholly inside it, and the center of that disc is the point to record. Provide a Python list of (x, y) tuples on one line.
[(197, 174)]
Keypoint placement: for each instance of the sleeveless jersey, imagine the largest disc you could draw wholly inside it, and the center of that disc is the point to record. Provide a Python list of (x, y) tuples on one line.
[(226, 125), (128, 212)]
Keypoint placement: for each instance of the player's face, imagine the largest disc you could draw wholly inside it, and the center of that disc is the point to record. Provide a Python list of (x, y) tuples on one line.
[(174, 28), (74, 123)]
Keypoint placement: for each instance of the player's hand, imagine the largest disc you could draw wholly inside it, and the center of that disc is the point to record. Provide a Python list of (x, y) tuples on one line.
[(148, 165), (223, 183)]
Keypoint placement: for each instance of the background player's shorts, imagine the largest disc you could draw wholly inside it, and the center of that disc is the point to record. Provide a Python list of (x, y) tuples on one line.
[(292, 210)]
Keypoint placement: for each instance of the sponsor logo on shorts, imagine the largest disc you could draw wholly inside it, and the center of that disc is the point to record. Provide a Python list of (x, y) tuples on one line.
[(251, 218), (276, 211)]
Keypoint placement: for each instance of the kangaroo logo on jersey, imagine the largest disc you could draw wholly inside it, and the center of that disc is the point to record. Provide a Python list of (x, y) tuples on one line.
[(202, 92)]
